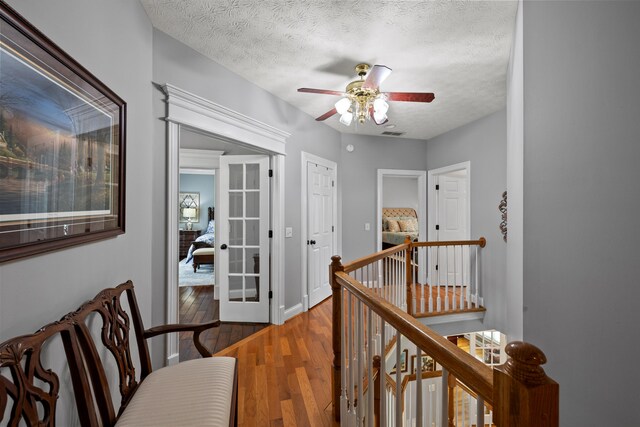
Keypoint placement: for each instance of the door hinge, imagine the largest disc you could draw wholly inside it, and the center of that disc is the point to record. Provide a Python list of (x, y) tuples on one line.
[(437, 227), (270, 294), (437, 187), (332, 229), (270, 173), (333, 183), (270, 234), (436, 266)]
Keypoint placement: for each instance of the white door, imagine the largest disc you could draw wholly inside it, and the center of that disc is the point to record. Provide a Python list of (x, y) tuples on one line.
[(452, 225), (320, 230), (242, 243)]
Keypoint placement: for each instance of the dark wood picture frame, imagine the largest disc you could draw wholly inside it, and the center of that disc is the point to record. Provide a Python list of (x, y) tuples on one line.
[(62, 147)]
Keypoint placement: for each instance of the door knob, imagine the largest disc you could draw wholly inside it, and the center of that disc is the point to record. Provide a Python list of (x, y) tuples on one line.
[(223, 246), (313, 242)]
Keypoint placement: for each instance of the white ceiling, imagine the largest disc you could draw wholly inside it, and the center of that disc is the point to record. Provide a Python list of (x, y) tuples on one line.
[(457, 49)]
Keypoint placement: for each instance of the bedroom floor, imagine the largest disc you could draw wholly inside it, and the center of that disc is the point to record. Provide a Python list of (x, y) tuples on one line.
[(197, 306), (203, 276)]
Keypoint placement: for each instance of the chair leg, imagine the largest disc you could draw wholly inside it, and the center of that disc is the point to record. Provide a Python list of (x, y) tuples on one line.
[(195, 266)]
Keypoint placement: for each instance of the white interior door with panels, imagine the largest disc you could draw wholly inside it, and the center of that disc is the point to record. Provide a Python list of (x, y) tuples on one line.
[(449, 220), (319, 228), (242, 245)]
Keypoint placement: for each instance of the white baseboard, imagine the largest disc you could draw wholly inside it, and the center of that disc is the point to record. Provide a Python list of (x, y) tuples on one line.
[(305, 302), (216, 292), (173, 359), (290, 312)]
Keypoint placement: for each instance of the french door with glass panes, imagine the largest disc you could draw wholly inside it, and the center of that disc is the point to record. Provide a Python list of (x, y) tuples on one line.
[(242, 243)]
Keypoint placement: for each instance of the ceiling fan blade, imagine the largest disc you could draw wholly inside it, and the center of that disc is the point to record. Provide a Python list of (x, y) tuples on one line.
[(324, 91), (376, 76), (410, 96), (326, 115), (373, 117)]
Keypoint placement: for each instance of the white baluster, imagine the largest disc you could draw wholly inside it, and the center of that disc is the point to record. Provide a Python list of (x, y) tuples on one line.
[(398, 380), (445, 398), (480, 421), (349, 364), (418, 387), (359, 364), (383, 376), (370, 391), (438, 270), (476, 278), (446, 274), (455, 277)]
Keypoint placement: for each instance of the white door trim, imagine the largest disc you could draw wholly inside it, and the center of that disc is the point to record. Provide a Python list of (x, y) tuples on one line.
[(432, 195), (422, 200), (187, 109), (308, 157)]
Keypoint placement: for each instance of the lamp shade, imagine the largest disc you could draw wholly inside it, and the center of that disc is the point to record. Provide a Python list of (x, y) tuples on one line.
[(189, 212), (342, 106), (380, 106), (346, 118)]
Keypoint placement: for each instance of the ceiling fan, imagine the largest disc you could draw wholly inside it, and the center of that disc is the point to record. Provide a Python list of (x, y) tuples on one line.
[(362, 98)]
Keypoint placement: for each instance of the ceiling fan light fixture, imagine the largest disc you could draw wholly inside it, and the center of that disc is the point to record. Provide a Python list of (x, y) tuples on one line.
[(342, 106), (346, 118), (379, 117), (380, 106)]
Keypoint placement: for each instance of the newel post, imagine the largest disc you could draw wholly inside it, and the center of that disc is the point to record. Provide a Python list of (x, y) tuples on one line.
[(523, 395), (409, 274), (336, 266)]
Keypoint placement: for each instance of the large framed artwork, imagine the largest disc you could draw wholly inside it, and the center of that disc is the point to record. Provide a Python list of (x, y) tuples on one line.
[(62, 147)]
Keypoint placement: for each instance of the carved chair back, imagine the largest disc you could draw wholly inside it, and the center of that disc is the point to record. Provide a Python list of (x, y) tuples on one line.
[(29, 392)]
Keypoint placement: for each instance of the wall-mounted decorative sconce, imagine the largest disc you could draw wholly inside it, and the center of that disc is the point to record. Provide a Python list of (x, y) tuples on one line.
[(502, 207)]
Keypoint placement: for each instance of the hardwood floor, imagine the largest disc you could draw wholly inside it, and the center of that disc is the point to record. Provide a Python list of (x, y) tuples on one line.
[(284, 372), (197, 306)]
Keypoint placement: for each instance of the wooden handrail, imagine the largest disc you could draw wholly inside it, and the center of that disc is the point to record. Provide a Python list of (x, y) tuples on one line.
[(474, 373), (370, 259), (482, 242)]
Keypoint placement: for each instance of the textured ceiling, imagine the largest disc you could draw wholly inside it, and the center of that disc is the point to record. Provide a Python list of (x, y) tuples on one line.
[(457, 49)]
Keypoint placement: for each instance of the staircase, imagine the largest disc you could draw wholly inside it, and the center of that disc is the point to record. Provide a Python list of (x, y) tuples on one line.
[(375, 303)]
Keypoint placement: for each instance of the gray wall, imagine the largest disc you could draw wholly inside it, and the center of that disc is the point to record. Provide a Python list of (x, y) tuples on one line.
[(181, 66), (112, 39), (400, 192), (359, 182), (205, 185), (581, 204), (484, 144)]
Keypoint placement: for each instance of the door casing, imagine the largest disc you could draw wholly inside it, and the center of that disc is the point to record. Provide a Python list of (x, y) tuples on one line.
[(195, 112), (306, 158)]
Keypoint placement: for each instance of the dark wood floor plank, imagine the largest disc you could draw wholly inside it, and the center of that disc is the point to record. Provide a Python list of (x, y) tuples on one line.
[(197, 305)]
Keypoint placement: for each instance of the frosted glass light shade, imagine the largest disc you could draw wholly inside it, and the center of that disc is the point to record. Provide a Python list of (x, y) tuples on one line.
[(380, 106), (379, 117), (346, 118), (342, 106)]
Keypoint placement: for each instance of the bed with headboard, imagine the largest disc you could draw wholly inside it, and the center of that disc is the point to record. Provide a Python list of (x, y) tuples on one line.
[(207, 238), (397, 224)]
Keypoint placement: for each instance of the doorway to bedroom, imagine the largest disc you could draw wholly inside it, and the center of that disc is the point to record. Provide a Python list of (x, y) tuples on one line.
[(201, 196), (401, 206)]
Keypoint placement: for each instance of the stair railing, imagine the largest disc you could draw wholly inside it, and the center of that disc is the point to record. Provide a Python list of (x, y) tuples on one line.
[(367, 311)]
